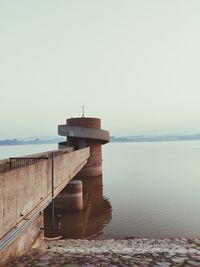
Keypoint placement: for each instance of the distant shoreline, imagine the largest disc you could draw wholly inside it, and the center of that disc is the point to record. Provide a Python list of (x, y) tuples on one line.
[(131, 139), (37, 141), (155, 141), (152, 140)]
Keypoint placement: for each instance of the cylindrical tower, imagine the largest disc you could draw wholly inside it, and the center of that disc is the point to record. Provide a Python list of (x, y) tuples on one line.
[(84, 132)]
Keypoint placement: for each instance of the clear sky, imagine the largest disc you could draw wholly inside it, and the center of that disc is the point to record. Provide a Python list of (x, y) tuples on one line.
[(133, 63)]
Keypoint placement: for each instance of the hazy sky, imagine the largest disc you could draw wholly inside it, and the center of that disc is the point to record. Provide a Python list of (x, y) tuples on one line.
[(135, 64)]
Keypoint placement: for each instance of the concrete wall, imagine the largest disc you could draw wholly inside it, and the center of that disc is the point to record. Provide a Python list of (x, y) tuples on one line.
[(25, 189), (30, 238)]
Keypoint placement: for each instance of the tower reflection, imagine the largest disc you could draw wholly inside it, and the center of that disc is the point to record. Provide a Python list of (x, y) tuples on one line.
[(88, 223)]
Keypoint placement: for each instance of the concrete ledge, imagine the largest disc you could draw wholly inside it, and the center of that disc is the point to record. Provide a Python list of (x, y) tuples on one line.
[(83, 132), (64, 145)]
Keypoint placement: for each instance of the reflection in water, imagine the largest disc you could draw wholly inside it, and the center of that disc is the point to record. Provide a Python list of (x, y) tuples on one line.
[(154, 188), (89, 222)]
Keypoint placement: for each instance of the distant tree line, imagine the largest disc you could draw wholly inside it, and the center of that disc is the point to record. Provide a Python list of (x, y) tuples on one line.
[(36, 141), (113, 139)]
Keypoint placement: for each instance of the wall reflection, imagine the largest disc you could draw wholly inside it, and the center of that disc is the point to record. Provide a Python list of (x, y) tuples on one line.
[(88, 223)]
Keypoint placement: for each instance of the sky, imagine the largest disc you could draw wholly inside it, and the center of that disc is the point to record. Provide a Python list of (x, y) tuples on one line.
[(133, 63)]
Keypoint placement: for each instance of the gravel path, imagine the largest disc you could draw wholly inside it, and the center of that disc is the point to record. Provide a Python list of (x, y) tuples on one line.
[(121, 252)]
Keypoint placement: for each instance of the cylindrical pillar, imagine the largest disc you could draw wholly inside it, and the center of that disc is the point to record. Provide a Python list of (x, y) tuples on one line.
[(95, 161), (86, 132), (71, 197)]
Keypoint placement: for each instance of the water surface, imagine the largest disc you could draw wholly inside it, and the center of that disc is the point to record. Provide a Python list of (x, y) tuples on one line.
[(154, 189), (149, 189), (22, 150)]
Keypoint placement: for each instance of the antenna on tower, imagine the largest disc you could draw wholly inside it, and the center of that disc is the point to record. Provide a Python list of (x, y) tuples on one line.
[(83, 111)]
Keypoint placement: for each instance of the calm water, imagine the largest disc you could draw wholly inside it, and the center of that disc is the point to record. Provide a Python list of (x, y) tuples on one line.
[(16, 151), (154, 189), (147, 190)]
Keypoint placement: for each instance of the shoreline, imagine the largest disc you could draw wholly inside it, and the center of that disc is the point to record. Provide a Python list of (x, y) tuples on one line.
[(114, 252)]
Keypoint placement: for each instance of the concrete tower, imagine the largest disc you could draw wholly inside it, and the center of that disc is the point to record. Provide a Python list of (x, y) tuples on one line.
[(83, 132)]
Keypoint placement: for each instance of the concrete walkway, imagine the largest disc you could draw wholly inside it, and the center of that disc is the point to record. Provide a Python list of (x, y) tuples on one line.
[(121, 252)]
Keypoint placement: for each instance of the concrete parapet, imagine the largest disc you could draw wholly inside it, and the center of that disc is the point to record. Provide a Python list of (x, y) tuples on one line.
[(63, 145), (25, 190)]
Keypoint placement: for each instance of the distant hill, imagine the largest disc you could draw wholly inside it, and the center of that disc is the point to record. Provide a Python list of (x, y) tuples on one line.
[(35, 141), (113, 139), (155, 138)]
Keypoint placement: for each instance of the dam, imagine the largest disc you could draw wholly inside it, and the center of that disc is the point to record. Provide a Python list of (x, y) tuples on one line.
[(29, 184)]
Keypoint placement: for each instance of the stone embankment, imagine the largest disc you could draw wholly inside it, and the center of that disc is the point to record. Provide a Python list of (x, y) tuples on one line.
[(121, 252)]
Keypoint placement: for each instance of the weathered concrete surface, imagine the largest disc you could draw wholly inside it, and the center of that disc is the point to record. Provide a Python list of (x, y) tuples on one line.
[(81, 132), (89, 122), (25, 190), (90, 171), (30, 238), (64, 145), (122, 252)]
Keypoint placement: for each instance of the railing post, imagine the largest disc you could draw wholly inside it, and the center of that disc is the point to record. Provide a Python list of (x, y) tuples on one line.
[(52, 190), (10, 164)]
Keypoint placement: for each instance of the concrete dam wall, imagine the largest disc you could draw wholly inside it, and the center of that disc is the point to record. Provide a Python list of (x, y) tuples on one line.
[(29, 184), (25, 189)]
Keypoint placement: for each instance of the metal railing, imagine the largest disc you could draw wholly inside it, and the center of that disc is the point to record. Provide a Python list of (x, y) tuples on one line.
[(4, 167), (20, 162)]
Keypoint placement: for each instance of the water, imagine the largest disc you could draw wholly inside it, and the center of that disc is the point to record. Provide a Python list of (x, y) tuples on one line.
[(88, 223), (148, 190), (154, 189), (16, 151)]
